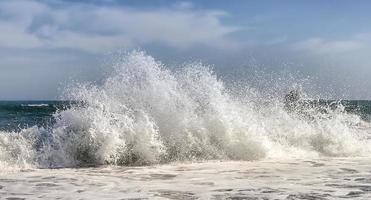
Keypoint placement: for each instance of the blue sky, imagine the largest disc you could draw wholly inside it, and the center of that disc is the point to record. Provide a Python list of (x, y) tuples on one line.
[(46, 44)]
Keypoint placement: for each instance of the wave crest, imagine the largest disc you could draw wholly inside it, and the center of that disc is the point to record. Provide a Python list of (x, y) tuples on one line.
[(144, 114)]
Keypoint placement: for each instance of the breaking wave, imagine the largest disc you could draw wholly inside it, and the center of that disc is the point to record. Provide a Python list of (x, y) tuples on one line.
[(145, 114), (35, 105)]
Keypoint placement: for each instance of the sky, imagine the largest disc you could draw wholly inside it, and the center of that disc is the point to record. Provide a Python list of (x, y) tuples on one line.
[(45, 44)]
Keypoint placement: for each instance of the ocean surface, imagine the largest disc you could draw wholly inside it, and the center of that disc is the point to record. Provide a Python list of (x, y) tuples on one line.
[(143, 113), (148, 132), (18, 115)]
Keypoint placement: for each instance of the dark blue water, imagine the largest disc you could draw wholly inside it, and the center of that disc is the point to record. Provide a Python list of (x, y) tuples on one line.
[(16, 115), (359, 107)]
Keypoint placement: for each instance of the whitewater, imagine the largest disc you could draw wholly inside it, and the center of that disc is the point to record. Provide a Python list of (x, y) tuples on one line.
[(186, 135)]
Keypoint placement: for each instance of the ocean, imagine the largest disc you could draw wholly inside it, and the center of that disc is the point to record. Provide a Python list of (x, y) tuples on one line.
[(147, 132), (18, 115)]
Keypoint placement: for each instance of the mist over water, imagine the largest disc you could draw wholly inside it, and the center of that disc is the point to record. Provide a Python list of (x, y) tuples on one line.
[(144, 113)]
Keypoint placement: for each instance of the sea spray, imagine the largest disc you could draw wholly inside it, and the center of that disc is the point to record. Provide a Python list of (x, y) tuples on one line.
[(143, 113), (17, 149)]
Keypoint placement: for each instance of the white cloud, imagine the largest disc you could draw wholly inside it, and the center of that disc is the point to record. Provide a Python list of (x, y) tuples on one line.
[(366, 36), (33, 24), (183, 5), (277, 40), (321, 46)]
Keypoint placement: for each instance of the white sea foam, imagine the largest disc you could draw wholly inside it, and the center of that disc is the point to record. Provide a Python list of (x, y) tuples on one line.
[(35, 105), (17, 149), (144, 113)]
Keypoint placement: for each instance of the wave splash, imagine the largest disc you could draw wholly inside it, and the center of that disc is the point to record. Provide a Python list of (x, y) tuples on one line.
[(145, 114)]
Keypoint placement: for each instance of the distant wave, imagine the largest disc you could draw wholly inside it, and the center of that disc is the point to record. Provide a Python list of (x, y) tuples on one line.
[(35, 105), (144, 114)]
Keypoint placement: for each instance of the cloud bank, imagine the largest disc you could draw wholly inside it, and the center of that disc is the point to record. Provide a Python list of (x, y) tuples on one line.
[(43, 43), (97, 29)]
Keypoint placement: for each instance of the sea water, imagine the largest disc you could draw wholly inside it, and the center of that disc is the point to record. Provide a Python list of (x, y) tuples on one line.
[(144, 114)]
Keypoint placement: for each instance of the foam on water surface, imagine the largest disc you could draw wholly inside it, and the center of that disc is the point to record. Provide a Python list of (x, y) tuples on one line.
[(290, 179)]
